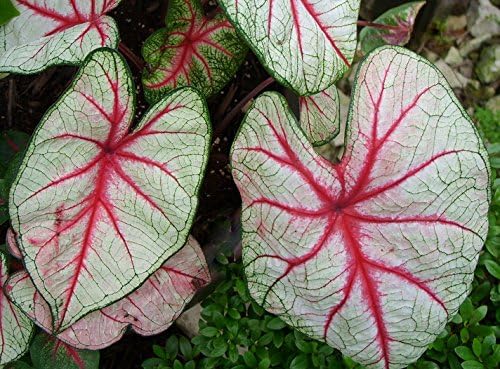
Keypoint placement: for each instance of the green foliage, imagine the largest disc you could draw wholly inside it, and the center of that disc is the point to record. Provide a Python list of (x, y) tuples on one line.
[(7, 11), (489, 124)]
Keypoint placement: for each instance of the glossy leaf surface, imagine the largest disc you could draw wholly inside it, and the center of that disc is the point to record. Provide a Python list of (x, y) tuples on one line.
[(149, 310), (192, 50), (399, 21), (320, 116), (306, 45), (53, 32), (375, 254), (15, 327), (97, 209)]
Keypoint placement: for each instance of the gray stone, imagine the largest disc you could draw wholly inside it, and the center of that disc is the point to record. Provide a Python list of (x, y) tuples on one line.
[(454, 58), (189, 321), (483, 18), (488, 67), (494, 104), (454, 78), (473, 45)]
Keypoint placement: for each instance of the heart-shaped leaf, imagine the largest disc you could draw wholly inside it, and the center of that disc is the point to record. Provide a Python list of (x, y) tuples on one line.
[(149, 310), (394, 27), (52, 32), (97, 209), (372, 255), (15, 327), (191, 51), (11, 243), (49, 353), (306, 45), (320, 116)]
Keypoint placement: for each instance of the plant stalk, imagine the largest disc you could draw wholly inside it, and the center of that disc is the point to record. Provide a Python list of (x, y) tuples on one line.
[(130, 55), (237, 109)]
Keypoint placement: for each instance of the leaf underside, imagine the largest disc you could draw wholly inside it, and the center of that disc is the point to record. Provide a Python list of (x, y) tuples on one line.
[(320, 116), (306, 45), (149, 310), (401, 18), (51, 32), (15, 327), (372, 255), (97, 209), (191, 51)]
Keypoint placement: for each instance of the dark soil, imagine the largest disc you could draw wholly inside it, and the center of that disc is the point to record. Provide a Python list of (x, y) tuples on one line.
[(25, 99)]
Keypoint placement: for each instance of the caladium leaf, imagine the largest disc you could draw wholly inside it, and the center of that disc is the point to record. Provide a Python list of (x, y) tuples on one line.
[(97, 209), (399, 23), (372, 255), (11, 242), (15, 327), (149, 310), (53, 32), (191, 51), (49, 353), (306, 45), (320, 116)]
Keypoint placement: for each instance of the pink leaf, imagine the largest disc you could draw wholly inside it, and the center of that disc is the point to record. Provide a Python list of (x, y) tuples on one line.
[(97, 209), (50, 32), (149, 310), (15, 327), (375, 254)]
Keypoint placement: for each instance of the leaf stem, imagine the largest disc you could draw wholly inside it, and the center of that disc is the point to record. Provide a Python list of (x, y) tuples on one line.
[(363, 23), (130, 55), (237, 109)]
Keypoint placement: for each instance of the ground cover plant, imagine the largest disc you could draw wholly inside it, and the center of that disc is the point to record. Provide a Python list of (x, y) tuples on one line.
[(249, 184)]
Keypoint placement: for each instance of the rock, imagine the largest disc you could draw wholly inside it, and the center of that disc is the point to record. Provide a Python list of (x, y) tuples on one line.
[(483, 18), (189, 321), (455, 23), (493, 104), (454, 58), (488, 67), (455, 79), (473, 45)]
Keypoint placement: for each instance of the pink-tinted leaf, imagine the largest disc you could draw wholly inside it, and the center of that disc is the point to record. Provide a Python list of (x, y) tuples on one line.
[(398, 23), (149, 310), (11, 242), (52, 32), (49, 353), (192, 50), (320, 116), (97, 209), (15, 327), (372, 255), (305, 44)]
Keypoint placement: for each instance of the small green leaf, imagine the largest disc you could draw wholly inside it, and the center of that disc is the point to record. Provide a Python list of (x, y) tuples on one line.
[(185, 348), (477, 347), (300, 362), (249, 359), (209, 331), (160, 352), (493, 268), (172, 347), (7, 11), (276, 324), (464, 334), (466, 309), (472, 364), (478, 315), (427, 365)]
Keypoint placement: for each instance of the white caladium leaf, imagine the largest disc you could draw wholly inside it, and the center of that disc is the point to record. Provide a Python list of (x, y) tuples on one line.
[(97, 209), (399, 21), (191, 51), (320, 116), (372, 255), (15, 327), (149, 310), (52, 32), (306, 45)]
